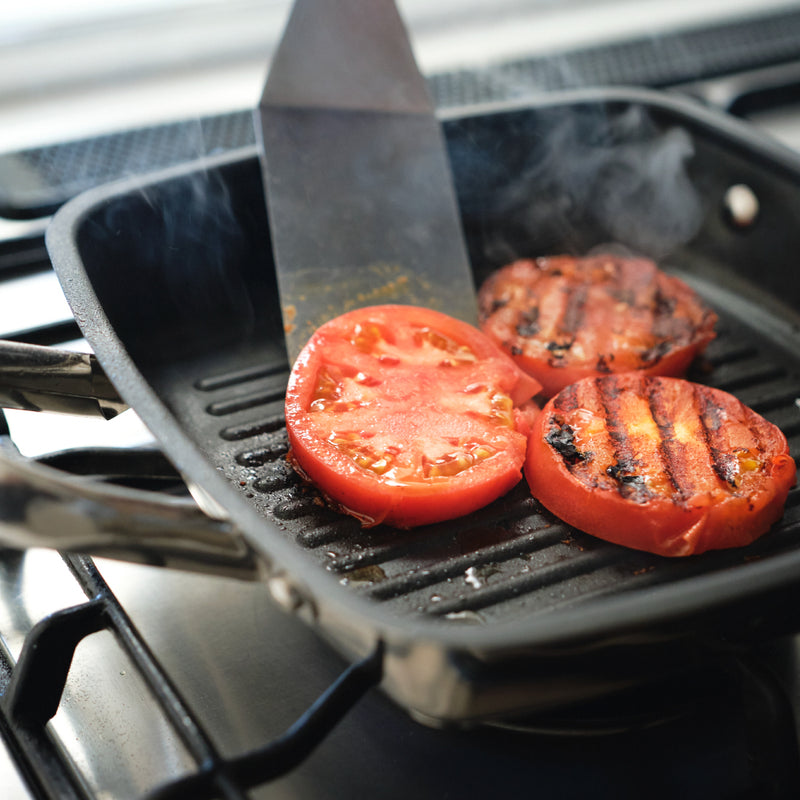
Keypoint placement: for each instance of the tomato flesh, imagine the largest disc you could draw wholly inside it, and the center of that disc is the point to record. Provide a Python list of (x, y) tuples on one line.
[(405, 416), (563, 318), (659, 464)]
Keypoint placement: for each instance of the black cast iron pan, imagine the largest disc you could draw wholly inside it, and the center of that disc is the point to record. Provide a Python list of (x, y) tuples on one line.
[(507, 610)]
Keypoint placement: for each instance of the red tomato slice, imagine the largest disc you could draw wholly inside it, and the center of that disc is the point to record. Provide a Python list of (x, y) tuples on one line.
[(406, 416), (563, 318), (658, 464)]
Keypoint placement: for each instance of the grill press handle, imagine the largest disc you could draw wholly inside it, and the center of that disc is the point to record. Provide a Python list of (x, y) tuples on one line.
[(37, 378), (41, 506)]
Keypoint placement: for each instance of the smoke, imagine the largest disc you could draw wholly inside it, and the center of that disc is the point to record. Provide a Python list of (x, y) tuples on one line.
[(201, 236), (641, 192), (203, 240), (593, 173), (561, 178), (183, 261)]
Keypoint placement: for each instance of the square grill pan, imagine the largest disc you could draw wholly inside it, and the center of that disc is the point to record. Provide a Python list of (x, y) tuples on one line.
[(508, 610)]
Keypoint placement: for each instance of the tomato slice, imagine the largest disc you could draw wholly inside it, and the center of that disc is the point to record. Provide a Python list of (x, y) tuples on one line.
[(658, 464), (564, 318), (405, 416)]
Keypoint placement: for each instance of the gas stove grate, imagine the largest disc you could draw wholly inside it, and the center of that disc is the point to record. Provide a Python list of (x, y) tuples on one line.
[(32, 690)]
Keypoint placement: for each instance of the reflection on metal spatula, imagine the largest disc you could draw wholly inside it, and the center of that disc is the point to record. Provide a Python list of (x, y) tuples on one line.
[(360, 197)]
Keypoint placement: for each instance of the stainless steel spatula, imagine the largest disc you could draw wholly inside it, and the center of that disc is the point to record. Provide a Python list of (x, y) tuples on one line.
[(360, 197)]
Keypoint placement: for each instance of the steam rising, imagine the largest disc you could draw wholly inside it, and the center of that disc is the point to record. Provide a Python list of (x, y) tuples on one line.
[(547, 180), (184, 246), (190, 256), (203, 226), (593, 177)]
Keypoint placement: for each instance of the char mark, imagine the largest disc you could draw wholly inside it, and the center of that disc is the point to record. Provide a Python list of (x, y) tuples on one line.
[(561, 437), (724, 463), (666, 326), (670, 449), (603, 363), (559, 349), (624, 472), (528, 324), (664, 305), (566, 400), (655, 353), (624, 295), (572, 318)]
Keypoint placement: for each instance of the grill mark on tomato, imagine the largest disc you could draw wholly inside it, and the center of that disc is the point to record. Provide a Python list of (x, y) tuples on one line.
[(663, 305), (674, 464), (572, 318), (660, 309), (723, 462), (528, 322), (566, 400), (670, 327), (496, 304), (675, 329), (603, 364), (566, 328), (560, 291), (655, 353), (622, 294), (559, 349), (552, 301), (632, 283), (624, 472), (561, 436)]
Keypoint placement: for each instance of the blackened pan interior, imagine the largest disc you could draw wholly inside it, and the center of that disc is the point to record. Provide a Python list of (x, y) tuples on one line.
[(180, 269)]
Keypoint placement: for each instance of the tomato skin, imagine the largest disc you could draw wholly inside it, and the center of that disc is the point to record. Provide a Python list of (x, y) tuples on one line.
[(385, 402), (563, 318), (710, 514)]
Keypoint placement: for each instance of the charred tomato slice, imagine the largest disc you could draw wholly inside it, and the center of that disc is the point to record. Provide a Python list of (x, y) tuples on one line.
[(658, 464), (405, 416), (564, 318)]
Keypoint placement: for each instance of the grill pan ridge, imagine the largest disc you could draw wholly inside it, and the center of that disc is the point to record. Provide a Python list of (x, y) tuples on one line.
[(512, 558), (499, 611)]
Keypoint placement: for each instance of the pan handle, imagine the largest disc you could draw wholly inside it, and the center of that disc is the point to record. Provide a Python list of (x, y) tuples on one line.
[(38, 378), (41, 506)]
